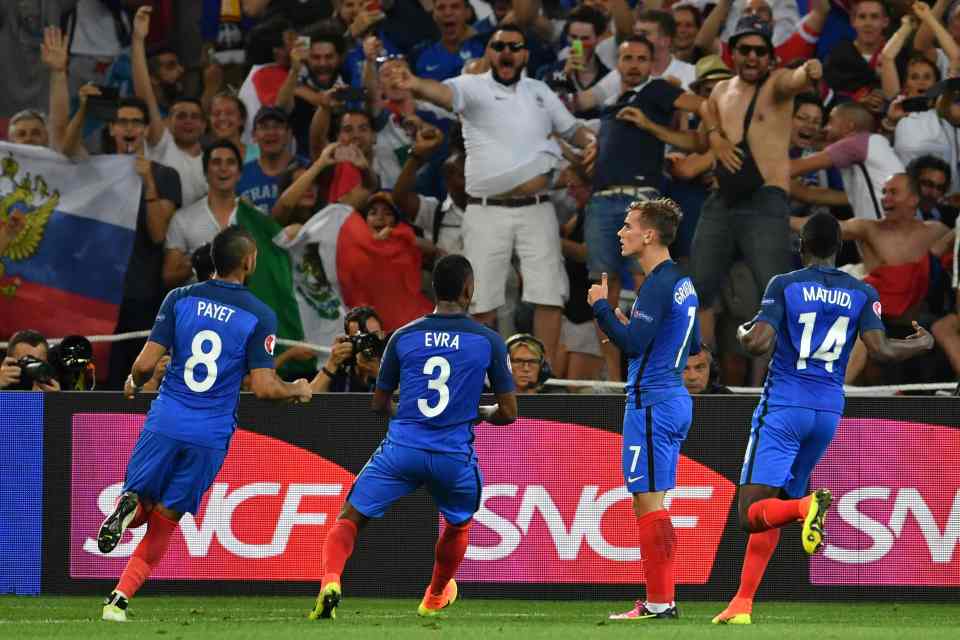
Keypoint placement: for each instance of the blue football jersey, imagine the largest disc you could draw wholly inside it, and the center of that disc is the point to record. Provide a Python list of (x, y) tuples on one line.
[(816, 313), (216, 332), (662, 332), (439, 362)]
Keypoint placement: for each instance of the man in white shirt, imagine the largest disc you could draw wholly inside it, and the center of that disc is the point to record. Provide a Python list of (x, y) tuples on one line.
[(197, 224), (659, 28), (508, 119), (176, 143)]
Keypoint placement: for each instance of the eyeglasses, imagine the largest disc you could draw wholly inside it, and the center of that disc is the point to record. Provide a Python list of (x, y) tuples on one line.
[(930, 184), (513, 46), (745, 50), (524, 362), (130, 122)]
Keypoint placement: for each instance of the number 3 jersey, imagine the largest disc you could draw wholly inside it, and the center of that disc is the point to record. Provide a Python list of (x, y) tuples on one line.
[(216, 332), (439, 363), (817, 313)]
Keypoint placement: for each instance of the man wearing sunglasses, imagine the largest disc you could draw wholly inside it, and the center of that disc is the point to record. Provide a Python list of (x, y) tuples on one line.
[(508, 119), (745, 120)]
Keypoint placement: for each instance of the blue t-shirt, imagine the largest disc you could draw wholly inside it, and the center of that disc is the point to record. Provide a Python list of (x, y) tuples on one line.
[(817, 313), (439, 362), (627, 154), (437, 63), (216, 332), (260, 189), (662, 332)]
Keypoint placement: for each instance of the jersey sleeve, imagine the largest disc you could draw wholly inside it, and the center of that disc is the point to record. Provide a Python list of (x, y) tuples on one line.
[(871, 316), (262, 341), (501, 378), (389, 377), (646, 316), (849, 151), (163, 327), (463, 92), (773, 304)]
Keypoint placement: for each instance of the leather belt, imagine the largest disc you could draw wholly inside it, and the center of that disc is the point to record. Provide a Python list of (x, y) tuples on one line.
[(633, 192), (522, 201)]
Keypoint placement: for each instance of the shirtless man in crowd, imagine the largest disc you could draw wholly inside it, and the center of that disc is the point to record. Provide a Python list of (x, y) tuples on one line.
[(895, 255), (744, 120)]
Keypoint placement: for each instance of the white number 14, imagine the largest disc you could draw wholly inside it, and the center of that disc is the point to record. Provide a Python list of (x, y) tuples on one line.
[(832, 345)]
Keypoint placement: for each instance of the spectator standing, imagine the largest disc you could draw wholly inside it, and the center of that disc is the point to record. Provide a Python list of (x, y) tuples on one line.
[(688, 20), (271, 43), (259, 179), (99, 32), (853, 67), (508, 119), (582, 69), (629, 165), (935, 131), (310, 84), (750, 209), (228, 117), (927, 34), (458, 42)]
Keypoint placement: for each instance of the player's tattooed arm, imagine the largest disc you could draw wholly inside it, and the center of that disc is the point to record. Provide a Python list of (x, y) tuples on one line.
[(757, 338), (884, 349), (502, 413)]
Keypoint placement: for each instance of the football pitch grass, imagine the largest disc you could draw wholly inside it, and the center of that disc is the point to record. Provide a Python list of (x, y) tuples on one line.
[(182, 617)]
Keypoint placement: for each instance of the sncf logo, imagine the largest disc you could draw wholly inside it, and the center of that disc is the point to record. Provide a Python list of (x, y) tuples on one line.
[(554, 509)]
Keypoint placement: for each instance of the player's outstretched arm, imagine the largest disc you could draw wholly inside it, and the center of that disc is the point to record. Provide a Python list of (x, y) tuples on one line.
[(502, 413), (267, 385), (757, 338), (884, 349)]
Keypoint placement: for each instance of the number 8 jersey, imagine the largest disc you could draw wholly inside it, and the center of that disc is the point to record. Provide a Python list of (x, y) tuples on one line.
[(817, 313), (216, 332), (440, 362)]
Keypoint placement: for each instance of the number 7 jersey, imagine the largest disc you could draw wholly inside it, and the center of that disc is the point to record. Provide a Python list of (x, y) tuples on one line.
[(817, 313)]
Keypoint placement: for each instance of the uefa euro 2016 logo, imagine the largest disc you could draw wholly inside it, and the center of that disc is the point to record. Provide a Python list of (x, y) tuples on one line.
[(24, 214)]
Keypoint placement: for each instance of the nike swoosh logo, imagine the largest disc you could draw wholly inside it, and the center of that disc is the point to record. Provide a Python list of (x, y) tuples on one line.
[(432, 67), (634, 479)]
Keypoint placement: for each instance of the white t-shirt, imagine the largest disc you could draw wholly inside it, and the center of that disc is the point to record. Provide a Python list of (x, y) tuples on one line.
[(925, 133), (193, 184), (194, 226), (449, 237), (608, 90), (506, 130), (95, 33), (872, 152)]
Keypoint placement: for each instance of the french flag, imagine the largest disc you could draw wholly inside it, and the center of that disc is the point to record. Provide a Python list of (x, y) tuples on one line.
[(63, 271)]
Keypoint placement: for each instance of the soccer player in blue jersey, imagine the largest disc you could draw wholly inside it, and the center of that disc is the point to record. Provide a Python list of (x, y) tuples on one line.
[(216, 331), (439, 362), (657, 337), (810, 318)]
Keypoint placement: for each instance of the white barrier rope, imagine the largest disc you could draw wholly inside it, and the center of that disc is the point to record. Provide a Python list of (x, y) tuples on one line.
[(561, 382)]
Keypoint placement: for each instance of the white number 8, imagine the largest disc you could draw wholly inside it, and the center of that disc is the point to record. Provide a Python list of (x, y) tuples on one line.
[(439, 384), (206, 358)]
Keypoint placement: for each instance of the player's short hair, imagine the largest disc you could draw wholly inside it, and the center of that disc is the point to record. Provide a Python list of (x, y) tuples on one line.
[(821, 235), (230, 247), (29, 337), (663, 215), (663, 19), (220, 144), (450, 276)]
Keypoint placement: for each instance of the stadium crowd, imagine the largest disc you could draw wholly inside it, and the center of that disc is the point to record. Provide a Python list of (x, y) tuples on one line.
[(360, 141)]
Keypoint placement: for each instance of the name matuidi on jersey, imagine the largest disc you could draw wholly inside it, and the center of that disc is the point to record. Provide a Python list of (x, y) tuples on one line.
[(829, 296)]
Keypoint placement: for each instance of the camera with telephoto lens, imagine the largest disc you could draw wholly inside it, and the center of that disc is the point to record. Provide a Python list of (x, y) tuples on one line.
[(74, 358), (33, 370), (369, 344)]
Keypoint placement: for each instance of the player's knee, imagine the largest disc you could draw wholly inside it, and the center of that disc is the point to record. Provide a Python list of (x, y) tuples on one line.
[(169, 514)]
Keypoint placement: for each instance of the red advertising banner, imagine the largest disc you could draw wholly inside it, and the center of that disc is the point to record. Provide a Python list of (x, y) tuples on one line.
[(896, 513)]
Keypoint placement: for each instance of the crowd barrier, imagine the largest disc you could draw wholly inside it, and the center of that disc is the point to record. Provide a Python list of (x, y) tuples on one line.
[(555, 520)]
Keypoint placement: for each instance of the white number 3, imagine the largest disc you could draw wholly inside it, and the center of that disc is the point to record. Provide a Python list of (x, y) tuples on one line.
[(438, 384), (206, 358)]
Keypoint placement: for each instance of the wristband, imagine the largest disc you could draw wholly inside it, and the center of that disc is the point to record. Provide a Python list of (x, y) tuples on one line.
[(133, 383), (328, 373)]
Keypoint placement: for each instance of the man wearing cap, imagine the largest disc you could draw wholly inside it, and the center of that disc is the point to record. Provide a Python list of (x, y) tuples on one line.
[(508, 119), (260, 177), (628, 165), (744, 121)]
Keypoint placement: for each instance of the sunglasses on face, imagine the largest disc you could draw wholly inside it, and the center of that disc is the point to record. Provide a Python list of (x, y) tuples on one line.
[(746, 49), (513, 46)]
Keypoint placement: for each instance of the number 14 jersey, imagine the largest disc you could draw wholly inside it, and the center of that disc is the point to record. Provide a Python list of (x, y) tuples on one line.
[(216, 332), (439, 362), (817, 313)]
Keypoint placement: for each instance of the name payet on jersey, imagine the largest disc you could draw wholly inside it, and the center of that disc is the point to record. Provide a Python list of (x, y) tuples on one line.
[(219, 312)]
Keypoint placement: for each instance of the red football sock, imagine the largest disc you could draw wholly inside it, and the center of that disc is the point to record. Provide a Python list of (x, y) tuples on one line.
[(451, 547), (773, 512), (140, 516), (760, 549), (658, 542), (337, 548), (148, 553)]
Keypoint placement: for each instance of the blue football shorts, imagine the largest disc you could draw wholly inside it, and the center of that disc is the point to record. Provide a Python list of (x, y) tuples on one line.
[(172, 472), (393, 471), (652, 437), (785, 445)]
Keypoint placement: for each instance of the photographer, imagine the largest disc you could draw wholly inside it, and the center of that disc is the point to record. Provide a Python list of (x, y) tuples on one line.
[(354, 361), (26, 366)]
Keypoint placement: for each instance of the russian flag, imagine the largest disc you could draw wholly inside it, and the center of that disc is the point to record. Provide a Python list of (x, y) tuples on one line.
[(63, 273)]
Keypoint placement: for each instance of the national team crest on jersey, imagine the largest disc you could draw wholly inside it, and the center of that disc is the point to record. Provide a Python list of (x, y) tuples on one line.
[(877, 309), (269, 343)]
